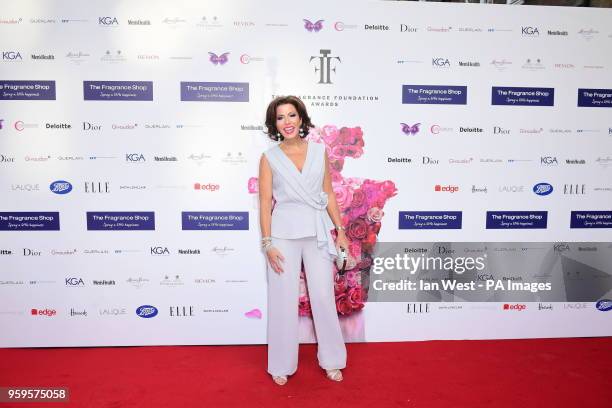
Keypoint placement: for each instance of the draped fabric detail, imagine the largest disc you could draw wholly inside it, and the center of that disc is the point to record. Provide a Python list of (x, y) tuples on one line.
[(305, 188)]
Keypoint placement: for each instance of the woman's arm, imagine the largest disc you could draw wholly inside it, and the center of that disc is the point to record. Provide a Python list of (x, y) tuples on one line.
[(265, 196), (332, 206), (274, 256)]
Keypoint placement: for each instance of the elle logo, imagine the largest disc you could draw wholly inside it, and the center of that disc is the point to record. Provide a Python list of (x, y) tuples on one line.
[(97, 187), (181, 311)]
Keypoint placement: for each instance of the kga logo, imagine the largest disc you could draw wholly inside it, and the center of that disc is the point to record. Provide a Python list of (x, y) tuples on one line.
[(60, 187), (146, 311), (325, 66), (75, 282), (158, 250), (548, 161), (543, 189), (11, 55), (135, 158), (530, 31), (43, 312), (518, 307), (108, 21), (561, 247), (449, 188), (440, 62)]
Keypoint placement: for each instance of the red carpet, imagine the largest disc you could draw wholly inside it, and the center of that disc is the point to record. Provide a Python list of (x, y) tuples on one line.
[(506, 373)]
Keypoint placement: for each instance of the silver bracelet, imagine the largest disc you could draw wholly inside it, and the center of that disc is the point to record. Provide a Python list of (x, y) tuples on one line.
[(340, 228)]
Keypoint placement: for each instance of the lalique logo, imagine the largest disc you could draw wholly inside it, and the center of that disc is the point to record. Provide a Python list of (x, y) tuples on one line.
[(325, 66)]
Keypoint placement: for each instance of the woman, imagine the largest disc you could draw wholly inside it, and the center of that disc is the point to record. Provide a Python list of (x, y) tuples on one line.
[(295, 173)]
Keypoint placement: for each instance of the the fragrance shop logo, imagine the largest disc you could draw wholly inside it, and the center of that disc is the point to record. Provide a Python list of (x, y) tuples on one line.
[(325, 64)]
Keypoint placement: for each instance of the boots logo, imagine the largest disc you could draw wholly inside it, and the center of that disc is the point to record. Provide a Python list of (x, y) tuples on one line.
[(543, 189), (324, 66), (604, 305), (60, 187), (146, 311), (108, 21)]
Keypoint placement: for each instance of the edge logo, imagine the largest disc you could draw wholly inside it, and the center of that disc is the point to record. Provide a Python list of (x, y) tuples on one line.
[(60, 187), (543, 189), (604, 305), (146, 311)]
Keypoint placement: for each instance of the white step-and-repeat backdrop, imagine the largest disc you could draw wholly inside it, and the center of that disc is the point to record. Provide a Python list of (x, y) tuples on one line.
[(130, 135)]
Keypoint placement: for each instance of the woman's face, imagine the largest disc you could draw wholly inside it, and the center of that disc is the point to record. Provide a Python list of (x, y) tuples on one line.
[(288, 122)]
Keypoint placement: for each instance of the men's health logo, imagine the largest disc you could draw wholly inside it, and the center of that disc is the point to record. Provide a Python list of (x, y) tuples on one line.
[(410, 130), (146, 311), (218, 59), (313, 27), (543, 189), (604, 305), (60, 187)]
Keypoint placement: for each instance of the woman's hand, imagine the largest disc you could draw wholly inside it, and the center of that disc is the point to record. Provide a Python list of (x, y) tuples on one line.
[(342, 241), (275, 258)]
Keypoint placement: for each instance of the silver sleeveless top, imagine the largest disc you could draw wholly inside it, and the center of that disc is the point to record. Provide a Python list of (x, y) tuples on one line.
[(301, 203)]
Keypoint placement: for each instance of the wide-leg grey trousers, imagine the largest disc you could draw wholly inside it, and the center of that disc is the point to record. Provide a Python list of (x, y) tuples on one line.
[(283, 294)]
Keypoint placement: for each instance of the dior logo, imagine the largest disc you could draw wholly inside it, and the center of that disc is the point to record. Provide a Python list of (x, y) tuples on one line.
[(325, 66)]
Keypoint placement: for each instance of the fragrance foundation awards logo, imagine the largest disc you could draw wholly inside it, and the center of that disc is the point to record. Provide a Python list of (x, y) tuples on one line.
[(325, 64)]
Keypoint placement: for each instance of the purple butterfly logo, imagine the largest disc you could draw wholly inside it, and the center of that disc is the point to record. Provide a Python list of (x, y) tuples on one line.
[(218, 59), (316, 26), (410, 130)]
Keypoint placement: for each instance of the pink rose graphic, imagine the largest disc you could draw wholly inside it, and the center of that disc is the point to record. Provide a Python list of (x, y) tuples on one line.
[(361, 202)]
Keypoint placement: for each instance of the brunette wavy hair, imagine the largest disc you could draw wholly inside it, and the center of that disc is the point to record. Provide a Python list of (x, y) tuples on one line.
[(299, 106)]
